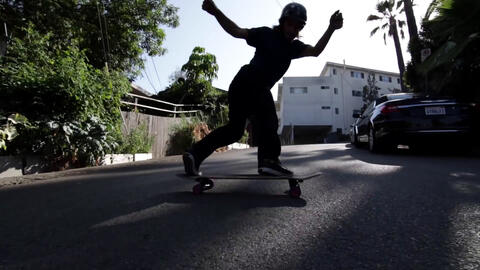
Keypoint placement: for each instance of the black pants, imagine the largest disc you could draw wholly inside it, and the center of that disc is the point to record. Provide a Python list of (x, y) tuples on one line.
[(245, 101)]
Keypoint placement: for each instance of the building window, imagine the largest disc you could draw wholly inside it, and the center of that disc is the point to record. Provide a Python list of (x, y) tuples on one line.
[(356, 74), (334, 72), (398, 80), (325, 87), (384, 78), (325, 107), (298, 90), (356, 93), (337, 111), (335, 91)]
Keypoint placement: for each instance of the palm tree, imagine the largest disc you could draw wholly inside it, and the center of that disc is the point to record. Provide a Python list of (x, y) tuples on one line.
[(411, 22), (388, 17), (412, 30)]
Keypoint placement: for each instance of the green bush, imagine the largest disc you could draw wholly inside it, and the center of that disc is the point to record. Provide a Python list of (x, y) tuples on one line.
[(74, 109), (181, 136), (8, 130), (136, 141)]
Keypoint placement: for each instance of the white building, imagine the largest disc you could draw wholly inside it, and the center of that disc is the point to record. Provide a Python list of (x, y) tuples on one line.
[(311, 108)]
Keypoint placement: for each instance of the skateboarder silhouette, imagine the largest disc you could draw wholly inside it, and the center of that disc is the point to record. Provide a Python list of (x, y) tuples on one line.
[(249, 93)]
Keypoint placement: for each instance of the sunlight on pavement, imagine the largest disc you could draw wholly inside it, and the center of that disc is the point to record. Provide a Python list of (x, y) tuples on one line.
[(462, 183), (465, 236), (148, 213), (364, 168), (463, 174)]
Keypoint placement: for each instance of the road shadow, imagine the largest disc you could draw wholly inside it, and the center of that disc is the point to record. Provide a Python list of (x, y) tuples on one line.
[(381, 218), (117, 222), (417, 214)]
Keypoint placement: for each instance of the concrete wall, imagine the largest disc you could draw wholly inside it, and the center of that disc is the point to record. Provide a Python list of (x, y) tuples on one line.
[(303, 99)]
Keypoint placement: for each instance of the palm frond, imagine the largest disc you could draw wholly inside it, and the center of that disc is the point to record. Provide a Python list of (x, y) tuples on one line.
[(391, 4), (373, 18), (385, 26), (374, 31), (402, 34), (382, 7), (401, 23), (385, 38), (399, 4), (431, 8)]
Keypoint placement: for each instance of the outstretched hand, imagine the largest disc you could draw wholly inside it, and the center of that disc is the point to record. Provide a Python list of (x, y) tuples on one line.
[(336, 20), (209, 6)]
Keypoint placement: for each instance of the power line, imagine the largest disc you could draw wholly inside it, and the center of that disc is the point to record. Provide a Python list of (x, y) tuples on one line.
[(156, 72), (148, 78), (279, 4)]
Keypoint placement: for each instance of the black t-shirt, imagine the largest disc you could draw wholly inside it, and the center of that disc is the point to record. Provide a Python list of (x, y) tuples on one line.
[(272, 57)]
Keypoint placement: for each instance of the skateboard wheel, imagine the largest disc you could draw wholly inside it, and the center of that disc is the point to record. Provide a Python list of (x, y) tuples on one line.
[(197, 189), (295, 192), (206, 184)]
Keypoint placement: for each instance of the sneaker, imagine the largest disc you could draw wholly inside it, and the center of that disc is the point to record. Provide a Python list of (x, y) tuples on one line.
[(191, 168), (273, 168)]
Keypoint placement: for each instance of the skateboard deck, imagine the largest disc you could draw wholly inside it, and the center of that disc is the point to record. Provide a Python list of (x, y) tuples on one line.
[(206, 181), (298, 177)]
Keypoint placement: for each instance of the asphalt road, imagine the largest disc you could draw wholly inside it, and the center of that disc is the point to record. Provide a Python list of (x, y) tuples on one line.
[(395, 211)]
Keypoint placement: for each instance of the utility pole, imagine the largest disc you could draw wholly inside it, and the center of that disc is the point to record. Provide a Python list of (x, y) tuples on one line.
[(343, 96), (4, 41), (102, 37)]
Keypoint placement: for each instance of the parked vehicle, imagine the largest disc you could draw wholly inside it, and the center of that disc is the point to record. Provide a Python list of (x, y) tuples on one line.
[(414, 120)]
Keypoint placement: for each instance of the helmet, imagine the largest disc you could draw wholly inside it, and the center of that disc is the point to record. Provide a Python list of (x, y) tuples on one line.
[(296, 11)]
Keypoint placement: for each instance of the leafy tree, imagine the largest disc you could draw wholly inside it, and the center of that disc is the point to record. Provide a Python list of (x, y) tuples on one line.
[(73, 108), (196, 83), (454, 38), (193, 85), (370, 91), (113, 31), (389, 21)]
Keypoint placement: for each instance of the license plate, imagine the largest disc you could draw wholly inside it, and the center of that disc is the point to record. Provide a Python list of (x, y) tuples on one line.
[(435, 111)]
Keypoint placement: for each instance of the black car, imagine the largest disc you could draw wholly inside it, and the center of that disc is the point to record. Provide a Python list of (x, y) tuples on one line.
[(415, 120)]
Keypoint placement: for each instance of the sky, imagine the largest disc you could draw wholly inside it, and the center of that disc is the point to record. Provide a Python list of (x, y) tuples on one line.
[(351, 44)]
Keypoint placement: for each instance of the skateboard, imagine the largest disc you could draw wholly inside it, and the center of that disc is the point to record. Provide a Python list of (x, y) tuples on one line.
[(205, 182)]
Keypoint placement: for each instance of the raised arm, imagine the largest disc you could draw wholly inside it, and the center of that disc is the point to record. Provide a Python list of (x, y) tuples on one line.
[(228, 25), (336, 22)]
